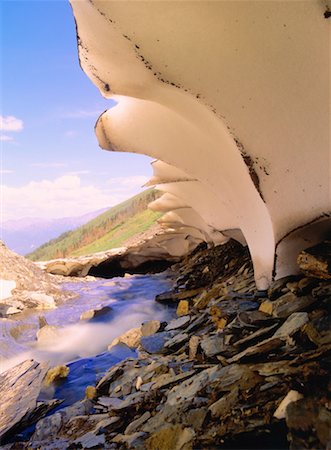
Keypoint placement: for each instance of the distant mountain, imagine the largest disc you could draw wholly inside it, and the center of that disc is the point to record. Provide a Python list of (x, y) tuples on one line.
[(25, 235), (108, 230)]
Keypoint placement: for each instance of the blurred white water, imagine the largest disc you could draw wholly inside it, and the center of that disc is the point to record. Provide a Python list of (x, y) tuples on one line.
[(132, 303)]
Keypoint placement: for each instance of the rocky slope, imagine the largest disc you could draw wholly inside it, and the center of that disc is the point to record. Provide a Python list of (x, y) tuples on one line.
[(24, 285), (237, 368)]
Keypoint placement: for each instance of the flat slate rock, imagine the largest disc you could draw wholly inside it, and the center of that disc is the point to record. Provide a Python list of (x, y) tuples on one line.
[(180, 322), (156, 342), (20, 388)]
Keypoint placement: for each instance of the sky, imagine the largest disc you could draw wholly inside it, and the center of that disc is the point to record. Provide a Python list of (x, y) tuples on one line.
[(50, 163)]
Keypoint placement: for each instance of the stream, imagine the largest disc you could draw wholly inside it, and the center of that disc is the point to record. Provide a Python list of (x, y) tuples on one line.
[(82, 345)]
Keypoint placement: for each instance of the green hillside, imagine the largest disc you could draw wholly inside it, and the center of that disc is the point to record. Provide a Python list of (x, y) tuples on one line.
[(109, 230)]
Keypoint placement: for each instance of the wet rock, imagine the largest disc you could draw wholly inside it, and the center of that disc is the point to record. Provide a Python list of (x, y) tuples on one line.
[(48, 428), (150, 327), (156, 342), (56, 373), (171, 438), (181, 322), (20, 388), (90, 392), (183, 308), (95, 313), (316, 261), (131, 338), (49, 334), (172, 297)]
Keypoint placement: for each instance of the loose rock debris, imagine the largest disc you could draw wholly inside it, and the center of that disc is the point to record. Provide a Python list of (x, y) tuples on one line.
[(229, 373)]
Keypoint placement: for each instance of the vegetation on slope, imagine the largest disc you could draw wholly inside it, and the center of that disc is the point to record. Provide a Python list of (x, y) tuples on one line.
[(110, 229)]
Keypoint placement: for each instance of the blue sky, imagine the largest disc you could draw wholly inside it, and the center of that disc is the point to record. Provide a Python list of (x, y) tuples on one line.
[(50, 158)]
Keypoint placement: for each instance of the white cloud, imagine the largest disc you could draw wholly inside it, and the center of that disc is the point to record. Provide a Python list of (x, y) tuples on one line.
[(64, 196), (134, 182), (3, 171), (5, 138), (48, 165), (10, 123)]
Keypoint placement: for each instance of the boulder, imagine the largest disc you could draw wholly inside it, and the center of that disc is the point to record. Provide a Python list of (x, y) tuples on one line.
[(156, 342), (55, 374), (131, 338), (150, 327), (49, 334), (20, 388), (95, 313)]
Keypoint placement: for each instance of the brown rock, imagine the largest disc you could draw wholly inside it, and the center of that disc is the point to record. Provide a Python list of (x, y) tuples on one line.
[(55, 374), (316, 261), (90, 392), (171, 438), (150, 327), (183, 308)]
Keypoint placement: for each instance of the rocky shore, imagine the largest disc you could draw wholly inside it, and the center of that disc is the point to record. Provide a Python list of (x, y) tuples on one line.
[(237, 368), (23, 285)]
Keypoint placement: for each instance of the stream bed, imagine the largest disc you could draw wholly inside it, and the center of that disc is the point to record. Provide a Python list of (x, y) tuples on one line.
[(82, 345)]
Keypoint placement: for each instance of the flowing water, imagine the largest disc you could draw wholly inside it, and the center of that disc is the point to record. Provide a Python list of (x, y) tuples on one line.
[(84, 344)]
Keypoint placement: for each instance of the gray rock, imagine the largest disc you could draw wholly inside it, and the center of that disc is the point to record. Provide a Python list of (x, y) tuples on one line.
[(47, 428), (90, 440), (262, 347), (168, 379), (20, 388), (186, 391), (177, 341), (289, 303), (196, 417), (156, 342), (150, 327), (136, 424), (180, 322), (133, 441), (213, 345), (224, 405), (95, 313), (292, 324), (110, 402)]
